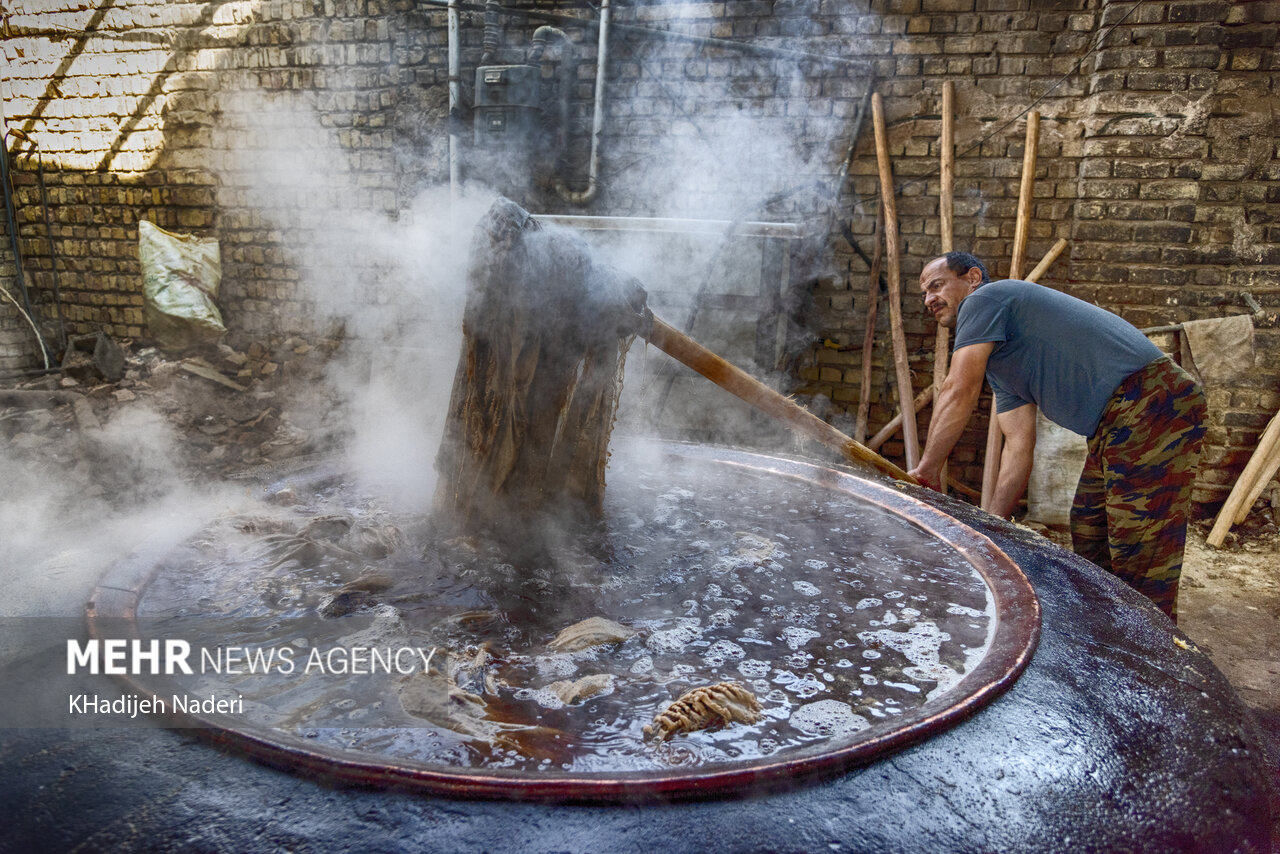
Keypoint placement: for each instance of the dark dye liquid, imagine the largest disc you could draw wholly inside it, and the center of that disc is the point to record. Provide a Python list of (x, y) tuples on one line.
[(838, 615)]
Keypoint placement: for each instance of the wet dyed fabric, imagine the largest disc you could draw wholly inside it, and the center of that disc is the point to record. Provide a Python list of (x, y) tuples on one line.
[(1130, 510)]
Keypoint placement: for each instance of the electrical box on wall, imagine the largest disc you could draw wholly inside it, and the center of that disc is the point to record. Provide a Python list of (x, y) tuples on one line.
[(507, 104)]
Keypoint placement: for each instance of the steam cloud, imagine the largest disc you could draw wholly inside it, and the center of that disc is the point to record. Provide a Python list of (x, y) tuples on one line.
[(396, 281)]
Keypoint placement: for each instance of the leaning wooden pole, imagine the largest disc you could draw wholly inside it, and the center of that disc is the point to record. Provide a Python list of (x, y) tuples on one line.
[(738, 382), (1270, 456), (869, 334), (947, 153), (995, 439), (895, 423), (1025, 194), (902, 367), (1257, 473), (1047, 261), (946, 215)]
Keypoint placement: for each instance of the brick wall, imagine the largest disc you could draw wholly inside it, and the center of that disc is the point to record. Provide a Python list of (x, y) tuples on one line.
[(16, 338), (281, 126)]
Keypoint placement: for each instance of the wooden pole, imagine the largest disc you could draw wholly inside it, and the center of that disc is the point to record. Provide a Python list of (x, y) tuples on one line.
[(1047, 261), (1257, 473), (946, 214), (946, 207), (910, 440), (869, 336), (991, 457), (1022, 228), (995, 439), (887, 431), (746, 387), (1270, 465)]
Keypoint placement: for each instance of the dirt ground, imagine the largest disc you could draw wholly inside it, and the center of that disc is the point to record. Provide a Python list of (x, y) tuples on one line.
[(223, 411), (1230, 606)]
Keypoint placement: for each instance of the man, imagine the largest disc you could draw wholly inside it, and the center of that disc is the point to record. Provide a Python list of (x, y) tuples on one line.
[(1093, 373)]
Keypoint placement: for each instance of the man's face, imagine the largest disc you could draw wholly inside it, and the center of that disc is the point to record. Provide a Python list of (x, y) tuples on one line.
[(943, 289)]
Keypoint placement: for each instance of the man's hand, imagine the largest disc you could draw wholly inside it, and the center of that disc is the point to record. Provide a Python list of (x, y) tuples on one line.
[(931, 479), (951, 411)]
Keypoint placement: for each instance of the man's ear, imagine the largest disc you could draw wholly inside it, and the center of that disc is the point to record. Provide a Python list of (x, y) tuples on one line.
[(974, 277)]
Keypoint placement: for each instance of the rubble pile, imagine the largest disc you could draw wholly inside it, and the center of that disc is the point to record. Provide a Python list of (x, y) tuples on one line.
[(229, 409)]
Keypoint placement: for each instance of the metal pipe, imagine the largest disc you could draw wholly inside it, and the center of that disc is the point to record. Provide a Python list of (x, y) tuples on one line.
[(582, 197), (492, 36), (48, 231), (567, 72), (675, 226), (455, 96), (12, 222), (542, 35), (705, 41)]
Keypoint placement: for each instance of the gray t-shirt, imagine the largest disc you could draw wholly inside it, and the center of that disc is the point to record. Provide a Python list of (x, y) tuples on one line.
[(1063, 354)]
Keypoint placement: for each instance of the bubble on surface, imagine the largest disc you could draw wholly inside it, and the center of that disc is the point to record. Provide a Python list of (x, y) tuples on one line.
[(806, 687), (674, 640), (797, 637), (830, 718), (560, 664), (541, 696), (919, 645), (798, 659), (905, 686), (723, 617), (722, 651), (804, 588)]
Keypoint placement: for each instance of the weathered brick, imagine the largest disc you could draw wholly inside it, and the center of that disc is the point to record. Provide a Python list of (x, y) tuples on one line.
[(1196, 11)]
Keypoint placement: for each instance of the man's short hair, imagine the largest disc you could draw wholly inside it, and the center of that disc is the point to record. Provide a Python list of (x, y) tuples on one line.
[(962, 262)]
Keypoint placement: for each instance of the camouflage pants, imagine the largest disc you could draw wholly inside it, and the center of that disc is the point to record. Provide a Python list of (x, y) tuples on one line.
[(1130, 510)]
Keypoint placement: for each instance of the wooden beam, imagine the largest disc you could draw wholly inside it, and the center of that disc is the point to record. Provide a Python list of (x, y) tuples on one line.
[(869, 335), (747, 388), (995, 439), (1047, 261), (1025, 192), (1257, 473), (902, 367), (946, 215), (947, 154), (895, 422)]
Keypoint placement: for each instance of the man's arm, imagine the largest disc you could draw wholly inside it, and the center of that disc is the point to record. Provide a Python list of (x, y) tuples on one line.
[(952, 409), (1019, 429)]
